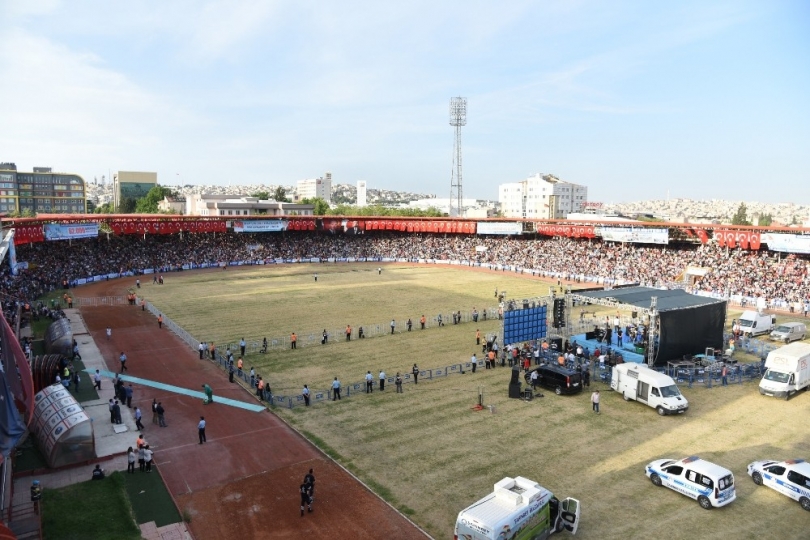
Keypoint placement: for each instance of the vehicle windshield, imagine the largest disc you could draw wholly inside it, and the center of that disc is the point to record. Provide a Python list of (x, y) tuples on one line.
[(745, 323), (776, 376), (670, 391), (785, 329)]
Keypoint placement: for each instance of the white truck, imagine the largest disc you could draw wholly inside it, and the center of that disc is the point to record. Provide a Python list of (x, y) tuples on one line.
[(517, 509), (755, 323), (787, 370), (656, 390)]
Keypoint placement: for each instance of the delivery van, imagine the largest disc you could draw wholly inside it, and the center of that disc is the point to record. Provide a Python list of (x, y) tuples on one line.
[(755, 323), (656, 390), (791, 331), (787, 370), (517, 509)]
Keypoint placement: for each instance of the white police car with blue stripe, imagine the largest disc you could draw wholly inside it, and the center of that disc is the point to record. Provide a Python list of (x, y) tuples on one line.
[(791, 478), (711, 485)]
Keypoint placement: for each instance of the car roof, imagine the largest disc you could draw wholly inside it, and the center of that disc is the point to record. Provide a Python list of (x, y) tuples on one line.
[(702, 466), (799, 465), (558, 369)]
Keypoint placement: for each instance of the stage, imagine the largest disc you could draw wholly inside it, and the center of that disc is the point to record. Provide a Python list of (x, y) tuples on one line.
[(627, 350)]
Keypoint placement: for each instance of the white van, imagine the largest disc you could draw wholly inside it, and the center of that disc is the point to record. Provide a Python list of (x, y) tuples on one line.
[(791, 331), (755, 323), (656, 390), (787, 370), (710, 484), (517, 509)]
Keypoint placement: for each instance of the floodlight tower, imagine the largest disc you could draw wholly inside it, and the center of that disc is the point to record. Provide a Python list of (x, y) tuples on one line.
[(458, 118)]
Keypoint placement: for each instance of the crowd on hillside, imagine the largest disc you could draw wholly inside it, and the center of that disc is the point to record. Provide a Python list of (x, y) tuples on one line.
[(783, 280)]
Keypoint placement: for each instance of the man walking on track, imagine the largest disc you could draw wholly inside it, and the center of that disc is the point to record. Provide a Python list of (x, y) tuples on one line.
[(123, 359), (160, 320), (201, 429), (306, 499)]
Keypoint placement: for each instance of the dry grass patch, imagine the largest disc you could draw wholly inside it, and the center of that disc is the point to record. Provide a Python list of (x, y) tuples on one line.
[(431, 455)]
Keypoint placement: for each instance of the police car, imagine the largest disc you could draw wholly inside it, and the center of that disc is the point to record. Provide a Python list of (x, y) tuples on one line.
[(710, 484), (791, 478)]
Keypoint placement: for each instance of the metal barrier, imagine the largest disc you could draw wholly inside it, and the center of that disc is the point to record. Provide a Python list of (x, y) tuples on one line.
[(100, 301)]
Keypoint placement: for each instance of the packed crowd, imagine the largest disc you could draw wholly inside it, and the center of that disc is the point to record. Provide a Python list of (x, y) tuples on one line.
[(782, 280)]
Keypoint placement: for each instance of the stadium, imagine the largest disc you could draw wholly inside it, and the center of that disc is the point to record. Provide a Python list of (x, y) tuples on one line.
[(427, 453)]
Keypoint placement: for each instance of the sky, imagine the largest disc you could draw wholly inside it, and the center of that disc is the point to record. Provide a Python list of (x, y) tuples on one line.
[(635, 99)]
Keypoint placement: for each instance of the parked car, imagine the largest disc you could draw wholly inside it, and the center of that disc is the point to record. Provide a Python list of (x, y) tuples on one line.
[(791, 478), (558, 378), (710, 484)]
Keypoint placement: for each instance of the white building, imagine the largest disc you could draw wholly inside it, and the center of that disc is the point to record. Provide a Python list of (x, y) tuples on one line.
[(233, 205), (443, 205), (361, 193), (316, 187), (542, 196)]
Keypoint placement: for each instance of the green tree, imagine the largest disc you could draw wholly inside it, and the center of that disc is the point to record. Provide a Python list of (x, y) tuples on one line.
[(321, 206), (261, 195), (280, 195), (149, 203), (765, 220), (126, 206), (741, 216), (106, 208)]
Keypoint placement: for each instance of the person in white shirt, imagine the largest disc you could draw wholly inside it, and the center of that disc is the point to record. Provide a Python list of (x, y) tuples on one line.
[(305, 393), (595, 401), (201, 429), (369, 383), (474, 363), (382, 380), (109, 332), (335, 389)]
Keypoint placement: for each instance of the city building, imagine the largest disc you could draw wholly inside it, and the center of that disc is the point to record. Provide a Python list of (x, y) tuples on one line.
[(132, 185), (315, 187), (234, 205), (542, 196), (41, 191), (176, 205), (361, 193)]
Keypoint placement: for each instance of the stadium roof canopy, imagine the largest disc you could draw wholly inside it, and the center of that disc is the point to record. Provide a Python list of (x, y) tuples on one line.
[(668, 299)]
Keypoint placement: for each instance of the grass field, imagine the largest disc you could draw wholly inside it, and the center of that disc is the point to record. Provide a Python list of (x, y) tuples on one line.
[(89, 510), (430, 455)]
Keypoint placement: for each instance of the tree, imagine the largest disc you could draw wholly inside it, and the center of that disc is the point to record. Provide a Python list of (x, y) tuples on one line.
[(280, 195), (106, 208), (741, 216), (765, 220), (126, 206), (321, 206), (149, 203), (261, 195)]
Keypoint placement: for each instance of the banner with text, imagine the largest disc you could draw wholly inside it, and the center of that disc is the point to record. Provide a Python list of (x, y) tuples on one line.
[(635, 235), (66, 232), (263, 225), (790, 243), (494, 227)]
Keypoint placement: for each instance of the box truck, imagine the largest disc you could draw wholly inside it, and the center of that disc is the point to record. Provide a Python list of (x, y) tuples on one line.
[(517, 509), (656, 390), (787, 370), (755, 323)]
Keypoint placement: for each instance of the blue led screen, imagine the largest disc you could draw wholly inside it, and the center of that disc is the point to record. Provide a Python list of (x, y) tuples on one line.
[(524, 324)]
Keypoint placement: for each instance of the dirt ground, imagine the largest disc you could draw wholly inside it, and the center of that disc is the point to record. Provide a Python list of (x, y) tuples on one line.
[(243, 483)]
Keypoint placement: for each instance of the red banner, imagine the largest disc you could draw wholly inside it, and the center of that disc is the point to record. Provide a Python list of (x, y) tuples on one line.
[(28, 234), (729, 238)]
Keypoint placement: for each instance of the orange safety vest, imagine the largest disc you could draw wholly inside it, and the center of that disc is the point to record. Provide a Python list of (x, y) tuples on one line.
[(422, 320), (477, 334), (239, 363), (160, 318), (261, 384), (293, 338)]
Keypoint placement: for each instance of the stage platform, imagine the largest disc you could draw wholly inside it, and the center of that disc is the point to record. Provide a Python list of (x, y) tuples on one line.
[(627, 351)]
